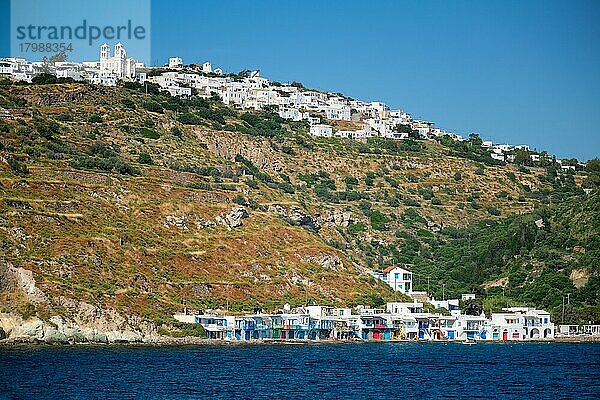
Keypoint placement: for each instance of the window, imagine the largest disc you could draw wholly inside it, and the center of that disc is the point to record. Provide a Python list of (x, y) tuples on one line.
[(406, 277), (407, 285), (396, 276)]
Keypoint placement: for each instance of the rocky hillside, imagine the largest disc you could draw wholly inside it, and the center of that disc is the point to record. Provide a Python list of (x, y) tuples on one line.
[(118, 206)]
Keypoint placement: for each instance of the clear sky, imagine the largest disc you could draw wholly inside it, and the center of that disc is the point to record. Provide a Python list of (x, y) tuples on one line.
[(522, 72)]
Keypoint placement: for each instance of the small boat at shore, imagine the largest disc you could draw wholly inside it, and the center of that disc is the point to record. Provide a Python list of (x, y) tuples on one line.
[(469, 342)]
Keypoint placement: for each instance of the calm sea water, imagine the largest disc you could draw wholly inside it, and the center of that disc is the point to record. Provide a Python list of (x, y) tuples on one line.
[(316, 371)]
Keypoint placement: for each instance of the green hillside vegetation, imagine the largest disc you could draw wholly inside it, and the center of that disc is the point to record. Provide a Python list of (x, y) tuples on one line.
[(531, 259)]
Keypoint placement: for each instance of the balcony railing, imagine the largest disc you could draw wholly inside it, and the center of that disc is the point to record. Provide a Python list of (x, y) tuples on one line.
[(533, 324), (295, 327)]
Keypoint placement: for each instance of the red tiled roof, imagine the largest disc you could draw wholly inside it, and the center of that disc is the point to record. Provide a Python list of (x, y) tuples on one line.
[(388, 269)]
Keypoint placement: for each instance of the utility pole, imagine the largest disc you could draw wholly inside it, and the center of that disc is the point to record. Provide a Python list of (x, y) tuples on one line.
[(568, 295), (563, 309), (443, 291)]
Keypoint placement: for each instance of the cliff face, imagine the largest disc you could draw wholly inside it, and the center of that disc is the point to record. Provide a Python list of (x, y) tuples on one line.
[(113, 216), (82, 321)]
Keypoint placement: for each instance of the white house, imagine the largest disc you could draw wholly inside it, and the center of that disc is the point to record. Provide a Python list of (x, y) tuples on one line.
[(292, 114), (472, 327), (337, 113), (580, 331), (495, 156), (314, 120), (207, 67), (216, 326), (321, 130), (396, 135), (522, 323), (358, 134), (404, 308), (398, 278), (175, 62), (450, 304)]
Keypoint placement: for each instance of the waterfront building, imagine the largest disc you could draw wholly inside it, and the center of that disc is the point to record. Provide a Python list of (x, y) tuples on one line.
[(522, 323), (472, 327), (578, 331), (216, 326)]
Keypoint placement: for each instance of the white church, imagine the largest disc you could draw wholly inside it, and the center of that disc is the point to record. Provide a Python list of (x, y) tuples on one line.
[(118, 66)]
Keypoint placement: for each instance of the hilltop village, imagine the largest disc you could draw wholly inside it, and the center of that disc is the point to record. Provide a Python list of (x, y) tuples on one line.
[(329, 114)]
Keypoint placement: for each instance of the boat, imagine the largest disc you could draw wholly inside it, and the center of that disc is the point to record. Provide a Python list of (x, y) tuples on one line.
[(469, 342)]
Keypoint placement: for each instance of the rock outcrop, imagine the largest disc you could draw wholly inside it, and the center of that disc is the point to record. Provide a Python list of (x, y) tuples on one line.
[(296, 216), (61, 330), (338, 218), (87, 323), (233, 219), (328, 261), (12, 279), (229, 146)]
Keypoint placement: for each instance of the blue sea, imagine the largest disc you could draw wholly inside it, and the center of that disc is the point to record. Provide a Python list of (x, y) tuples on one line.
[(307, 371)]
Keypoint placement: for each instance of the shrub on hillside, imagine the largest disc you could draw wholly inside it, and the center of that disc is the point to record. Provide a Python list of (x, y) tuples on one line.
[(493, 211), (16, 166), (144, 158), (379, 221), (44, 79), (175, 131), (46, 128), (153, 106), (411, 203), (95, 119), (112, 164)]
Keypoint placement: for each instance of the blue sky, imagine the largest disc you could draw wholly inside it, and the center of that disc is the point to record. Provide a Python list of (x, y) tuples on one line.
[(514, 71)]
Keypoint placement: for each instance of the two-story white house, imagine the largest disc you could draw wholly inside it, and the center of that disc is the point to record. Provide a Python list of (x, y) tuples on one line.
[(399, 279), (522, 323), (321, 130)]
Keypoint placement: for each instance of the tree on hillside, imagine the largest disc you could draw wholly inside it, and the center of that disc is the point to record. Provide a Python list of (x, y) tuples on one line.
[(593, 165), (475, 140), (403, 128), (61, 56), (522, 157), (473, 307)]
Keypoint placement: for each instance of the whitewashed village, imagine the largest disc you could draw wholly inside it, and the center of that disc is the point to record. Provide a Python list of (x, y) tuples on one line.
[(397, 321), (329, 115)]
